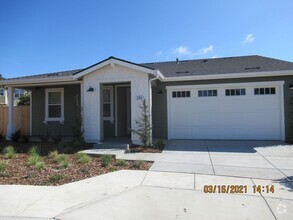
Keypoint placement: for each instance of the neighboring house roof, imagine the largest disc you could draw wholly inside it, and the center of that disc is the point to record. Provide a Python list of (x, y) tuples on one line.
[(199, 67)]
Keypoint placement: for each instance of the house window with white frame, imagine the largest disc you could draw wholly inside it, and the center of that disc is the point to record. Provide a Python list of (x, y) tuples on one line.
[(2, 92), (18, 93), (55, 104), (108, 103)]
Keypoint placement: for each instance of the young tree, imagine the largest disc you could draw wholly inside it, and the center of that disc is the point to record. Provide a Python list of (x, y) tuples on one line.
[(24, 100), (144, 125)]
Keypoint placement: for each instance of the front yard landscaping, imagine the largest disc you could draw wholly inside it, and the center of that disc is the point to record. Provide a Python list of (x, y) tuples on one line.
[(55, 164)]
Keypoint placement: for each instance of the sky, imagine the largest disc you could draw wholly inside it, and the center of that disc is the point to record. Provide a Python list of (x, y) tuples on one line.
[(41, 36)]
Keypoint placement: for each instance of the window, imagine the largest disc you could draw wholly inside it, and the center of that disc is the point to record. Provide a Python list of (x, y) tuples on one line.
[(181, 94), (265, 91), (54, 105), (235, 92), (108, 103), (207, 93), (18, 93), (2, 92)]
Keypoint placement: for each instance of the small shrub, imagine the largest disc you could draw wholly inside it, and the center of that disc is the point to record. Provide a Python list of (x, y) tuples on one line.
[(34, 159), (34, 150), (9, 152), (56, 178), (61, 157), (121, 163), (137, 164), (159, 144), (2, 169), (53, 154), (106, 160), (63, 164), (39, 165), (16, 136), (83, 158)]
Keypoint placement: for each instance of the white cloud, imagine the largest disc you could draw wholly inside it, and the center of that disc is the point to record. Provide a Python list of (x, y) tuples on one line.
[(205, 50), (249, 38), (184, 51), (215, 56)]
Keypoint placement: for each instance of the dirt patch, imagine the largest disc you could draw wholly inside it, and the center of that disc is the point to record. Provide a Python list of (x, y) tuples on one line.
[(140, 149), (52, 172)]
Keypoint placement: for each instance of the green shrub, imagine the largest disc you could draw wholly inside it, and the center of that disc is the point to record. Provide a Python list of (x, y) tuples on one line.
[(106, 160), (159, 143), (121, 163), (137, 164), (39, 165), (34, 150), (2, 169), (53, 154), (83, 158), (56, 178), (9, 152), (16, 136), (34, 159), (63, 164)]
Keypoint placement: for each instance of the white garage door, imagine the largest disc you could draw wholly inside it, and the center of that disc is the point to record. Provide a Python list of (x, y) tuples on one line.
[(226, 111)]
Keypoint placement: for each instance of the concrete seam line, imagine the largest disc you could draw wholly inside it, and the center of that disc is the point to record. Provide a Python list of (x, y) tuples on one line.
[(92, 202), (272, 164), (210, 157), (266, 202), (144, 177)]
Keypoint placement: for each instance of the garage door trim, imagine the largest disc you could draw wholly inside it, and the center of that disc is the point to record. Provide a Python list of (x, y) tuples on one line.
[(280, 84)]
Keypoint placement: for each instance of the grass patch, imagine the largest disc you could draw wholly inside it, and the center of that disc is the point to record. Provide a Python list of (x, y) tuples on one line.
[(121, 163), (137, 164), (34, 151), (56, 178), (9, 152), (36, 161), (83, 158), (106, 160), (3, 169), (63, 161), (53, 155)]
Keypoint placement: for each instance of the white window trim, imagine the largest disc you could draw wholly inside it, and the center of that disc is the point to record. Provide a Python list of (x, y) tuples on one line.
[(60, 119), (111, 118), (3, 90), (17, 91)]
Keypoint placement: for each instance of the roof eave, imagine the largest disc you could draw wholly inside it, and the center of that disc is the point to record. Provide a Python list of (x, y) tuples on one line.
[(12, 82), (229, 76)]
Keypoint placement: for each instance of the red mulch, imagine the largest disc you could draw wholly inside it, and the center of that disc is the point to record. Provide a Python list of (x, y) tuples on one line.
[(140, 149), (18, 171)]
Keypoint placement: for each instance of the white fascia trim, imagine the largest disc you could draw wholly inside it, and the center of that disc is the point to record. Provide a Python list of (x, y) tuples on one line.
[(229, 76), (35, 81), (118, 62), (230, 85)]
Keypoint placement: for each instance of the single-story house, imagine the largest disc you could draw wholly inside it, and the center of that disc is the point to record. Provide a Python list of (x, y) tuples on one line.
[(240, 98)]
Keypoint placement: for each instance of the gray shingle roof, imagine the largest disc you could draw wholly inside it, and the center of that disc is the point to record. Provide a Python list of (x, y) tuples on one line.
[(220, 66), (199, 67)]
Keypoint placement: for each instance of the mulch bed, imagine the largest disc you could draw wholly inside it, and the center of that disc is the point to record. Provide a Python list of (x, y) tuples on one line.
[(18, 171), (140, 149)]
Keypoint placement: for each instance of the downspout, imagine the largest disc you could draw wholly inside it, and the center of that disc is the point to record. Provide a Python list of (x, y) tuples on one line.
[(151, 106)]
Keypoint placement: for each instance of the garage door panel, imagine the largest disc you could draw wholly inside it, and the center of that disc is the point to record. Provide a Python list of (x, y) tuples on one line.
[(226, 117)]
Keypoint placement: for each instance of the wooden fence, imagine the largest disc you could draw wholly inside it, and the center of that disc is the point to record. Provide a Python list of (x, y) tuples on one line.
[(21, 119)]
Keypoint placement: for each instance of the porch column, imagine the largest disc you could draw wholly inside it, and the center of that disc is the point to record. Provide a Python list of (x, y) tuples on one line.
[(10, 126)]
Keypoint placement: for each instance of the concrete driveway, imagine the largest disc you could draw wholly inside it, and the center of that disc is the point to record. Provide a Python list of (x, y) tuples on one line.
[(253, 159)]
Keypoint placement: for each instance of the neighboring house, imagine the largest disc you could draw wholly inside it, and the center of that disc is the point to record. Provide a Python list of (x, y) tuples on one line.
[(248, 97), (17, 94)]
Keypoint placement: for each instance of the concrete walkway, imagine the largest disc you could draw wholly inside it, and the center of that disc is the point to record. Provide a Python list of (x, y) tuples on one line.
[(252, 159), (147, 195)]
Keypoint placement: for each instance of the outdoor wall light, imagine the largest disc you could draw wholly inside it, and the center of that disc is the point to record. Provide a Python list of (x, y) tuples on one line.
[(91, 89)]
